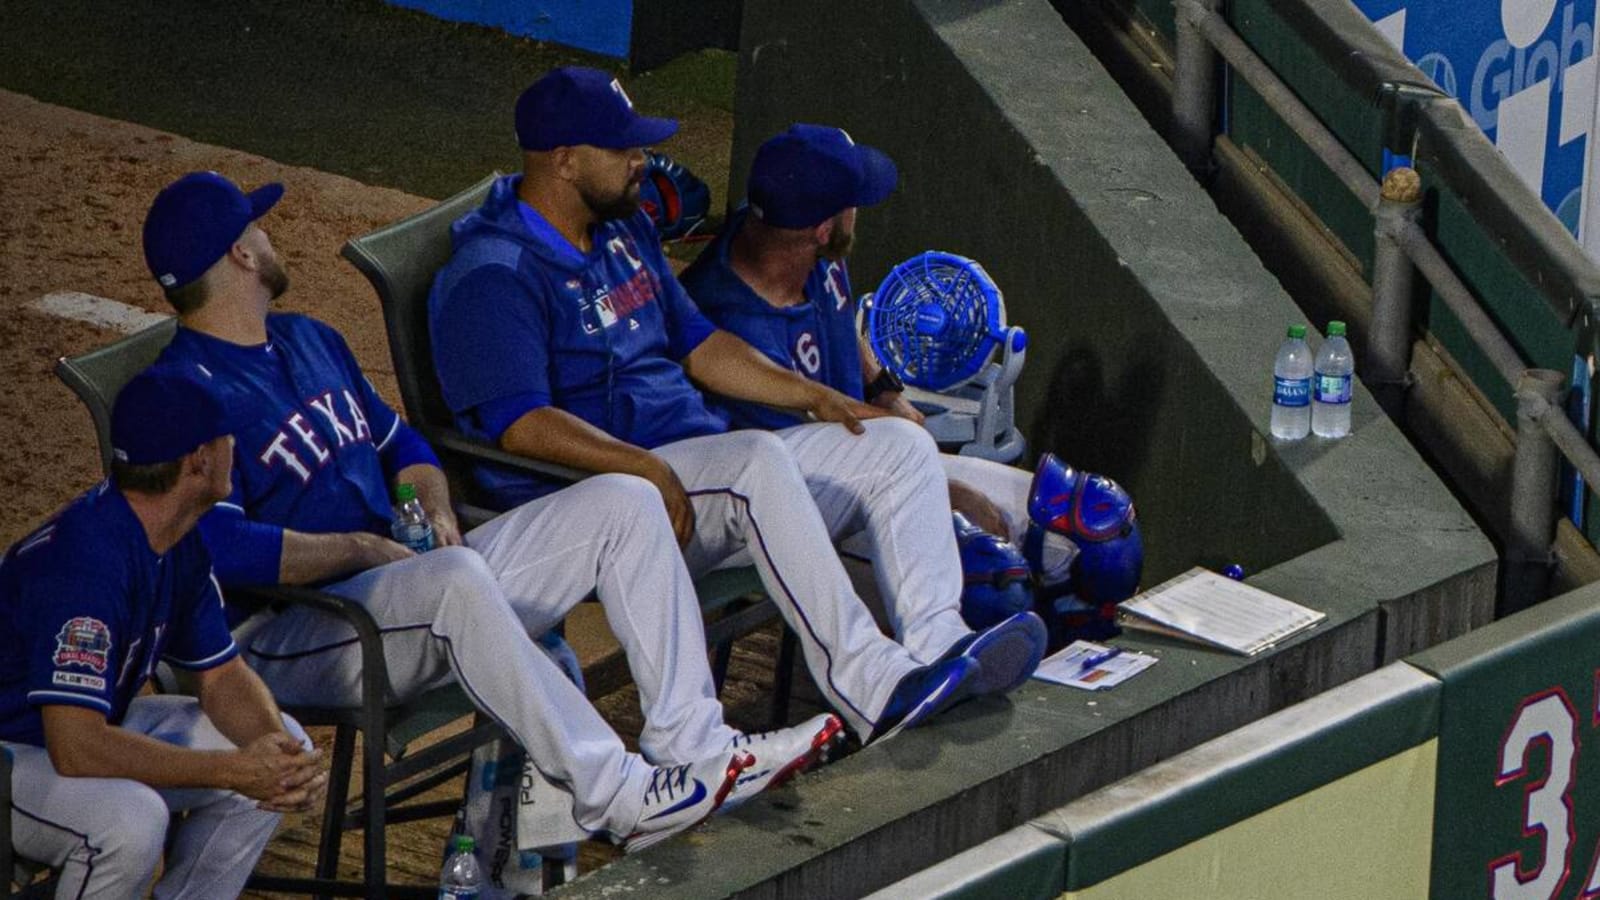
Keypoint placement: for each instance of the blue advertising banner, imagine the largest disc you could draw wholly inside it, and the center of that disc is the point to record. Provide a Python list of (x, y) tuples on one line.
[(599, 26), (1524, 70)]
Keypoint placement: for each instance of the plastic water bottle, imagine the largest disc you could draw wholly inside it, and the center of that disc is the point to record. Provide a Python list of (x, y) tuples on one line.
[(1291, 391), (411, 526), (1330, 395), (461, 878)]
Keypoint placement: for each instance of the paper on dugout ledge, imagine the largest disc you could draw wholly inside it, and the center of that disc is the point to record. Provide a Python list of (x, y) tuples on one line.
[(1066, 667), (1203, 606)]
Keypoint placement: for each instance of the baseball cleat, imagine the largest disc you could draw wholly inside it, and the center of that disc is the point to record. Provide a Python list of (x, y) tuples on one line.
[(782, 754), (1009, 652), (681, 797), (926, 692)]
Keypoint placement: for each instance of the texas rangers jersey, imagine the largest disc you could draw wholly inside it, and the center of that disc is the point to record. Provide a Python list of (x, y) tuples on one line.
[(317, 453), (87, 608), (816, 338), (521, 320)]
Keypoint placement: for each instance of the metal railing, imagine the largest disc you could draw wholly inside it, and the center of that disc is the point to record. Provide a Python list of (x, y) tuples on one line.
[(1402, 249)]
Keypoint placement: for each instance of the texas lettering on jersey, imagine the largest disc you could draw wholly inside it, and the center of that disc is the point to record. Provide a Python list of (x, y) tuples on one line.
[(297, 446), (833, 281)]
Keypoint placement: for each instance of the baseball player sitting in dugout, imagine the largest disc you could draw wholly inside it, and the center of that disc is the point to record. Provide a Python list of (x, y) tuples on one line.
[(316, 452), (89, 603), (776, 276), (561, 334)]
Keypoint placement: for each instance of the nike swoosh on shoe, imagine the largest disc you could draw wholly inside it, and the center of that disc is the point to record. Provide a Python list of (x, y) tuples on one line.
[(695, 796)]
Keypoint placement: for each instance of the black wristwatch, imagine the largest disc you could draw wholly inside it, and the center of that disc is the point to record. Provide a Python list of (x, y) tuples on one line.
[(885, 382)]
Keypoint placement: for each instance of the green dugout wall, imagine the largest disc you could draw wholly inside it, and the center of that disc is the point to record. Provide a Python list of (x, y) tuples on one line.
[(1531, 277), (1458, 773)]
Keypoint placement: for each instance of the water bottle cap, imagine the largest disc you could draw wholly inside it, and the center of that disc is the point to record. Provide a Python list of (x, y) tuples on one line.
[(464, 842), (405, 493), (1336, 328), (1298, 332)]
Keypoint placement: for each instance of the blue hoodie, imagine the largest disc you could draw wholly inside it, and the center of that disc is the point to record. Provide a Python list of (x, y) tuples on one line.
[(816, 338), (521, 320)]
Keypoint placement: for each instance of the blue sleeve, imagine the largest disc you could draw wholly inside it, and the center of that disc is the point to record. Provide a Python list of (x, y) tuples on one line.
[(404, 447), (74, 650), (491, 339), (199, 638), (687, 327), (495, 416), (245, 551)]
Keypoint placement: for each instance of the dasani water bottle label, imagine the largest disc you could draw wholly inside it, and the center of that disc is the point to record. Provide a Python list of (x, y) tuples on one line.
[(1291, 391)]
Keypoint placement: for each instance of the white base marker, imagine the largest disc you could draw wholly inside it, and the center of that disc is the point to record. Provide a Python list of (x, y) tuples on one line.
[(97, 311)]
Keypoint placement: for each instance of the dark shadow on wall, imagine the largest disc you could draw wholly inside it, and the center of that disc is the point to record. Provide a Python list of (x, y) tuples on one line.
[(1093, 427)]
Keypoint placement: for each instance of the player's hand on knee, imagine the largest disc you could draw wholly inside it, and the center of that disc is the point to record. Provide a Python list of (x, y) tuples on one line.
[(374, 550), (307, 786), (831, 406), (446, 531), (897, 405), (979, 509), (676, 499), (274, 766)]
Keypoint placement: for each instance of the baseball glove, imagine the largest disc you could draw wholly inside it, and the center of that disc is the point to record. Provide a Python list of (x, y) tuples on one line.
[(676, 199)]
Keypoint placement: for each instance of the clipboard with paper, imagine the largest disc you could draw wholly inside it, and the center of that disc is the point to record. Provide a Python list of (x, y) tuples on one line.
[(1211, 609)]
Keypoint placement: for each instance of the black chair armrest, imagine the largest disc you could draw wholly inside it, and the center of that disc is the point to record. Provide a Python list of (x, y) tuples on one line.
[(458, 443), (374, 669)]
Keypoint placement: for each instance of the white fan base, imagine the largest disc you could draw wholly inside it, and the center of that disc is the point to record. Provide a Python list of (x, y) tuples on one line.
[(977, 416)]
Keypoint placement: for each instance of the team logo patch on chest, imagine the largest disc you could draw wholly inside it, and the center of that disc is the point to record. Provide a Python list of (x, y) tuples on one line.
[(83, 641)]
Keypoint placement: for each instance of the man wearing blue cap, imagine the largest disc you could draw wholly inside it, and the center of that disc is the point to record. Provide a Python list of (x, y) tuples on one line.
[(561, 334), (317, 451), (88, 604), (777, 277)]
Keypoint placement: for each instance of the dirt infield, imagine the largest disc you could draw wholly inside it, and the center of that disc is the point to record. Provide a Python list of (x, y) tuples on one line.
[(73, 192)]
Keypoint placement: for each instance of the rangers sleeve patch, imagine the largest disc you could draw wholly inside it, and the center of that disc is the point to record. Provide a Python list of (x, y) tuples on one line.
[(83, 641)]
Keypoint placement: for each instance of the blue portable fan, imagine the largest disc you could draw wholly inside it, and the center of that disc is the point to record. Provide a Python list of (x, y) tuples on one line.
[(937, 321)]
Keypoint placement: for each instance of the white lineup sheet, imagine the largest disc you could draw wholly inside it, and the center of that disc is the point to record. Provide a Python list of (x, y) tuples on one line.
[(1220, 611)]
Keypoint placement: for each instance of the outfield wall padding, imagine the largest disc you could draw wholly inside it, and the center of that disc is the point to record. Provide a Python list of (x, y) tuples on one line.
[(1383, 724), (1467, 758)]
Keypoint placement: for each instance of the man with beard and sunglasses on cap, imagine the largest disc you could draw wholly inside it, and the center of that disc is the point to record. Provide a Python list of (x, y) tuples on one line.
[(316, 454), (561, 334)]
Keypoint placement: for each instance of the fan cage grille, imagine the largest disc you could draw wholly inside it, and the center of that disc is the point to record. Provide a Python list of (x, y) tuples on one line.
[(935, 320)]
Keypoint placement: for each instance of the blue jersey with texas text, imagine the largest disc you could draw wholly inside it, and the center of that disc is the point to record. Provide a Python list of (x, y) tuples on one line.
[(521, 320), (87, 608), (316, 452), (816, 338)]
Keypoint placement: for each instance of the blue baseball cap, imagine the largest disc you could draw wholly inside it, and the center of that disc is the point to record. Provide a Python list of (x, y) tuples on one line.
[(811, 173), (573, 105), (194, 221), (166, 412)]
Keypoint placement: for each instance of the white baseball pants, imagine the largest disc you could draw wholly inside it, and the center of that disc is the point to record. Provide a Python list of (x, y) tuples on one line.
[(779, 500), (469, 611), (105, 835)]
